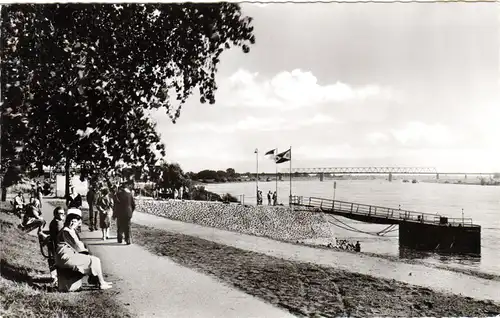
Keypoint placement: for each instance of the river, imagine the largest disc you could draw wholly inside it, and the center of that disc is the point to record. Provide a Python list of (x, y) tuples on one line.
[(481, 203)]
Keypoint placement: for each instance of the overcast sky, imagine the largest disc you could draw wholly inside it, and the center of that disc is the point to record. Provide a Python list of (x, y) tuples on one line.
[(352, 85)]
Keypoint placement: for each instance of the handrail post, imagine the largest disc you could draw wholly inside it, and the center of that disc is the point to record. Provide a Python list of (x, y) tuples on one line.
[(352, 205)]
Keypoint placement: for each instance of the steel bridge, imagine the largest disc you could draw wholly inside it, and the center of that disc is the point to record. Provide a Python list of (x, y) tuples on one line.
[(366, 170), (390, 171)]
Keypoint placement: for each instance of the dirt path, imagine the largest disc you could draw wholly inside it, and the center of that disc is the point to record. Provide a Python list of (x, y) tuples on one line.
[(156, 286), (419, 275)]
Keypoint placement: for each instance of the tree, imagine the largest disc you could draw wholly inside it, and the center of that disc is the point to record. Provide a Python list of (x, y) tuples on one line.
[(88, 74), (172, 177), (231, 173), (207, 175), (14, 126), (221, 176)]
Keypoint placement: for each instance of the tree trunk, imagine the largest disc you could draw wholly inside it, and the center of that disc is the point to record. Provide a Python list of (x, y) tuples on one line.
[(67, 170), (4, 193)]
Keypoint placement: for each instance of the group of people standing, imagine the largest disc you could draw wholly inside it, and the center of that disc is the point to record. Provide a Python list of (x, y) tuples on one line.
[(106, 204), (272, 198)]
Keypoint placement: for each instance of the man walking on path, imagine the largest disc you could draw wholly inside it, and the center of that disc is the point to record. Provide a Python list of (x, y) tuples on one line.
[(124, 208), (91, 200), (39, 192)]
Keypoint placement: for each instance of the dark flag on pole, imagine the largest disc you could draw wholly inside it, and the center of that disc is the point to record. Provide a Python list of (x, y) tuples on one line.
[(271, 153), (284, 156)]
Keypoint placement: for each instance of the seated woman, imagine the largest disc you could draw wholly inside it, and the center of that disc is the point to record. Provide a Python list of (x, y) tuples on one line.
[(72, 254), (32, 218)]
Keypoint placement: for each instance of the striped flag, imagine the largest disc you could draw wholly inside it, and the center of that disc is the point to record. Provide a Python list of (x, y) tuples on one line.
[(284, 156)]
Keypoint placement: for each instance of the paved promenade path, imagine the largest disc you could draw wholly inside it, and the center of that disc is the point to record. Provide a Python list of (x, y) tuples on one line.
[(153, 286)]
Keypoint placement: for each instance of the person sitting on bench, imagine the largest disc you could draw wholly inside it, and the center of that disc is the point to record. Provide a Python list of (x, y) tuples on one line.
[(55, 226), (18, 204), (32, 218), (71, 253)]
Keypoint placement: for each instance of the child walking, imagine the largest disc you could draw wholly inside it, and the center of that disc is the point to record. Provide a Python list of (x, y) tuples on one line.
[(105, 207)]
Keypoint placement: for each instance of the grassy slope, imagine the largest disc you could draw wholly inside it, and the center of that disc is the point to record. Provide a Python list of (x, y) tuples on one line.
[(25, 290)]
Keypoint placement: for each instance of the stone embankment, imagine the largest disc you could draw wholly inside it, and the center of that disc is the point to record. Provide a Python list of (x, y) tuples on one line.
[(276, 222)]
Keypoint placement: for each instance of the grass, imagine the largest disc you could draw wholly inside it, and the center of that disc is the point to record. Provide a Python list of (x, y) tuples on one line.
[(25, 289)]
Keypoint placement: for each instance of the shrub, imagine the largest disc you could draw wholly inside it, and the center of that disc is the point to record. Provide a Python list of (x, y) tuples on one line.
[(199, 193), (229, 198)]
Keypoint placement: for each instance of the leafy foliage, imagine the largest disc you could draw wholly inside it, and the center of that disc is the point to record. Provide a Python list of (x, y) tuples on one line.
[(228, 197), (85, 76), (14, 127), (172, 177), (217, 176), (199, 193)]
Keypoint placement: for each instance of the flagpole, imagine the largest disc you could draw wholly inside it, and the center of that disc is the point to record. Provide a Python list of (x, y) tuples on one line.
[(257, 175), (290, 175), (276, 166)]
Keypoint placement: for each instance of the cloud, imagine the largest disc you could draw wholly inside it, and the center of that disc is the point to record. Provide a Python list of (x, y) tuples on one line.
[(339, 151), (252, 123), (295, 89), (419, 133), (377, 138)]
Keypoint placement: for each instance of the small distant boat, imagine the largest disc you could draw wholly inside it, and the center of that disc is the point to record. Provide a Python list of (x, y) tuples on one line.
[(405, 181), (414, 181)]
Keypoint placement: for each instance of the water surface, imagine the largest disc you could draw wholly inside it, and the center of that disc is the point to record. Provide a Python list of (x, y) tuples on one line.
[(481, 203)]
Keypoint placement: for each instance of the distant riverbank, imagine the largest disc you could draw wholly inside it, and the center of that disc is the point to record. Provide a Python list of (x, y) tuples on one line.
[(330, 179), (463, 182)]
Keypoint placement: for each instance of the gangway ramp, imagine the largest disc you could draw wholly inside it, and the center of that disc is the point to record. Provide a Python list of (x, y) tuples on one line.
[(418, 230)]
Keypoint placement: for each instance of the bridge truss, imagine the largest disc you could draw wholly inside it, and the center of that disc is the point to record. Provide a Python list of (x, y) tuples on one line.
[(365, 170)]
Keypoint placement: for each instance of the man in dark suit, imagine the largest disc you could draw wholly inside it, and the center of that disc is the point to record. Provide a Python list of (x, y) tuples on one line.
[(91, 200), (123, 209)]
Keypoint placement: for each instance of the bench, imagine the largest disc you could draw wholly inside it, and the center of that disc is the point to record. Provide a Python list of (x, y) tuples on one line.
[(68, 280)]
